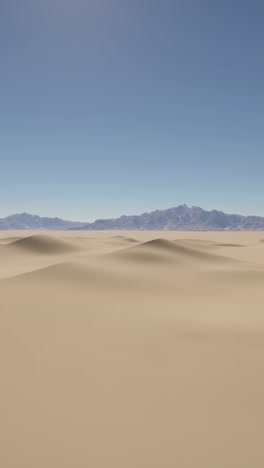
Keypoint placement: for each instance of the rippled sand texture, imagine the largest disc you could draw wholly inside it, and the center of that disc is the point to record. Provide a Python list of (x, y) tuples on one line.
[(132, 350)]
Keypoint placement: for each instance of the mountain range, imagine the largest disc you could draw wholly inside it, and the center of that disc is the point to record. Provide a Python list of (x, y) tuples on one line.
[(25, 221), (181, 218)]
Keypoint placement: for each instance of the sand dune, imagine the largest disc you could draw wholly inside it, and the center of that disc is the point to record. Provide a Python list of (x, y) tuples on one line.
[(143, 349), (43, 244), (9, 240), (165, 251), (73, 274), (125, 239), (229, 245)]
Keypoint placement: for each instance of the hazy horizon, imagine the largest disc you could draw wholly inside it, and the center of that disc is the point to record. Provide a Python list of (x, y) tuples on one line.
[(123, 214)]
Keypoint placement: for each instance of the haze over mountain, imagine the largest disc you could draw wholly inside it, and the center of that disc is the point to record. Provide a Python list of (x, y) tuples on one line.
[(180, 218), (28, 221)]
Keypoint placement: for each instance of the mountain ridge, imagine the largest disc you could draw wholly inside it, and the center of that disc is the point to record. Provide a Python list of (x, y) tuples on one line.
[(26, 221), (180, 218)]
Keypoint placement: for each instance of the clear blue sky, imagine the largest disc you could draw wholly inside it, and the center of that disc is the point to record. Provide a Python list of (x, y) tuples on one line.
[(125, 106)]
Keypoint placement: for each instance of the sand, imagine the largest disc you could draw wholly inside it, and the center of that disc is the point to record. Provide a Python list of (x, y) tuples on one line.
[(132, 349)]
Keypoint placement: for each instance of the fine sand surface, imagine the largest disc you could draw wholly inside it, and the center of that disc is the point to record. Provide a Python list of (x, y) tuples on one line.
[(132, 349)]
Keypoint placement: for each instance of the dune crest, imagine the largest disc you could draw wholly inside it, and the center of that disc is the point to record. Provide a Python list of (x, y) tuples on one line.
[(166, 251), (43, 244)]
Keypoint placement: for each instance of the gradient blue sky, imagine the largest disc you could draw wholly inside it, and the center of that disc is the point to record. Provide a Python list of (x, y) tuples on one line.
[(125, 106)]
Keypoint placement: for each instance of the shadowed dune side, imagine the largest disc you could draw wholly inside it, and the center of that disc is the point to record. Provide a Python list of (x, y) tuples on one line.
[(204, 244), (9, 240), (42, 244), (125, 239), (165, 251), (229, 245), (198, 241)]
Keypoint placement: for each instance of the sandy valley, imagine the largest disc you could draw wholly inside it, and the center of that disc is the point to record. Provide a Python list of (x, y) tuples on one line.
[(132, 349)]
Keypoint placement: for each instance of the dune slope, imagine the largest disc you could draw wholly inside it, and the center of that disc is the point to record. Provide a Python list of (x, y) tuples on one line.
[(42, 244), (143, 350)]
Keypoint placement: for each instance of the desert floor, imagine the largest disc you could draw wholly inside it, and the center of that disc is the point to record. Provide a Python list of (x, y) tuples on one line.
[(132, 349)]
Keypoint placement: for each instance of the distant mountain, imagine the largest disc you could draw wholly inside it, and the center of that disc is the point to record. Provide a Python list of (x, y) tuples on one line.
[(27, 221), (181, 218)]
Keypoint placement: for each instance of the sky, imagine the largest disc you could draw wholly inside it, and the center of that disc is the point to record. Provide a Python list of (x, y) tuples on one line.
[(111, 107)]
